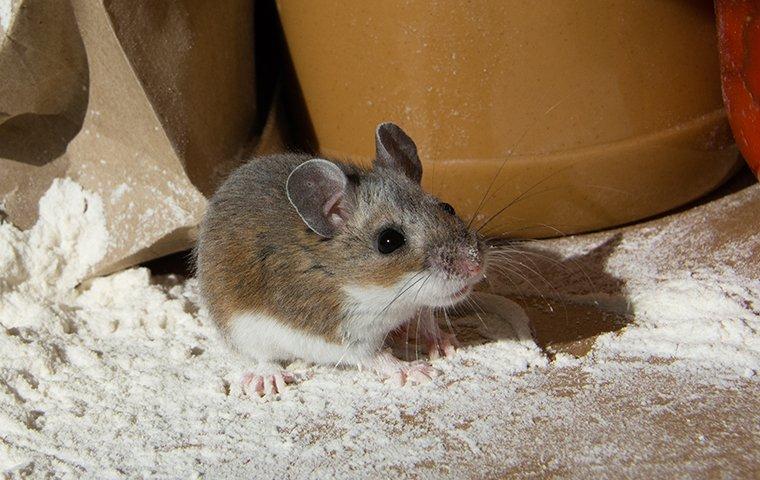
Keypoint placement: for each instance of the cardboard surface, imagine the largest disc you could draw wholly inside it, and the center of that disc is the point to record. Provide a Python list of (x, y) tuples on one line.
[(712, 434), (140, 102)]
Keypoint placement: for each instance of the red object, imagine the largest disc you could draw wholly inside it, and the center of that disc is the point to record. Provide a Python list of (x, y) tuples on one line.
[(739, 46)]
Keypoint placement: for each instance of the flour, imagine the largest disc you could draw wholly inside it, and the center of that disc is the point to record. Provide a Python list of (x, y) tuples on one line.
[(6, 13), (119, 192), (125, 376), (136, 349), (708, 318), (690, 305)]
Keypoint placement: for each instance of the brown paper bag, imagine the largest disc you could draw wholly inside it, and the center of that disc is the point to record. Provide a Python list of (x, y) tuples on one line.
[(141, 102)]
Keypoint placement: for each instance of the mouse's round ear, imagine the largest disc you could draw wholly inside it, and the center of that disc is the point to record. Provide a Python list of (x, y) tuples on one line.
[(317, 189), (394, 149)]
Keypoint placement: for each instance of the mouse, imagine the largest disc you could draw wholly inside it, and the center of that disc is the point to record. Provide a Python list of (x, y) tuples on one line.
[(306, 258)]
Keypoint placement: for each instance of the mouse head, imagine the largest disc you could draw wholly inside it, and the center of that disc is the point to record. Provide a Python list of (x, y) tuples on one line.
[(392, 242)]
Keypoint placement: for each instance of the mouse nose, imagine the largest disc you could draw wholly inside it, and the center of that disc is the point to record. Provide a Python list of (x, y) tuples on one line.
[(470, 262), (469, 267), (460, 261)]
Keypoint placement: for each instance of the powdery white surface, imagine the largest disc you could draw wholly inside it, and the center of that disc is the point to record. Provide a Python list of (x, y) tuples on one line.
[(689, 304), (6, 12), (702, 316), (125, 377)]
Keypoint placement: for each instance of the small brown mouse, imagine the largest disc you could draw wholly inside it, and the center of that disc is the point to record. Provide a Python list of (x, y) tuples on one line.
[(319, 260)]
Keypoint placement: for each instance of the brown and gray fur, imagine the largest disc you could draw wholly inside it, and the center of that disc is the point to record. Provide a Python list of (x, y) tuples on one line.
[(255, 253)]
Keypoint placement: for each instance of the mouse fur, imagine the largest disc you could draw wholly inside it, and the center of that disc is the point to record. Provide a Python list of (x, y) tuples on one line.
[(288, 260)]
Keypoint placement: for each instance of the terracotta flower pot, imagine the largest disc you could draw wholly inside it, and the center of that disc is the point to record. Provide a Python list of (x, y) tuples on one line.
[(557, 117), (739, 43)]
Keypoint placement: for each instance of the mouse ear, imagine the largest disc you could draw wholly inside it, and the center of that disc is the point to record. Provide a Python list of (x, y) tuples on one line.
[(394, 149), (317, 189)]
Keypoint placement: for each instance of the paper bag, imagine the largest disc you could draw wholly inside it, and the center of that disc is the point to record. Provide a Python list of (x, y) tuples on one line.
[(143, 103)]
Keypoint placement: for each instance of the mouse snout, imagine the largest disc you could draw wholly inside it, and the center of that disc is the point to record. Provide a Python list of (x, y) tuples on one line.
[(468, 267), (470, 262), (462, 262)]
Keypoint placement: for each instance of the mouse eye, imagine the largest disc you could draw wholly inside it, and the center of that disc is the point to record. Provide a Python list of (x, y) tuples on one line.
[(447, 208), (390, 240)]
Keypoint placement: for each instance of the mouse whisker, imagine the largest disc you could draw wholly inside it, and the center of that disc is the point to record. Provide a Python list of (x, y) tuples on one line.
[(448, 322), (522, 196), (506, 272), (345, 352), (474, 308), (590, 282), (508, 255), (416, 337), (553, 228), (417, 331), (421, 286), (509, 155), (406, 340), (385, 309)]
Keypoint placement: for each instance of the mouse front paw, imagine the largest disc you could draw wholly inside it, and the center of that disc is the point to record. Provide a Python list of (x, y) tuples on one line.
[(416, 373), (442, 345), (266, 380), (426, 332), (402, 373)]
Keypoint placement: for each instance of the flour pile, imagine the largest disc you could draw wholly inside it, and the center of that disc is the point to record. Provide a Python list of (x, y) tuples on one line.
[(700, 316), (6, 10), (693, 291), (124, 376)]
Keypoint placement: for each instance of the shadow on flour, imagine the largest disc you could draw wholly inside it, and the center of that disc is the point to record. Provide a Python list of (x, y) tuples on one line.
[(569, 301)]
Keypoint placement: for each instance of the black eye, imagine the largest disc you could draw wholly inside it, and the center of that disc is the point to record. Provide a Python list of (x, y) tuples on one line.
[(389, 241), (447, 208)]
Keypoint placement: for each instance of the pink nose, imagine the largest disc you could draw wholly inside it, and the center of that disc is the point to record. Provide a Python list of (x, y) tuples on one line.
[(469, 267)]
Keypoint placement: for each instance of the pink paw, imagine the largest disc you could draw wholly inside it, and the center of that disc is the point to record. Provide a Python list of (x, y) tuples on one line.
[(444, 345), (266, 384), (400, 373), (412, 374)]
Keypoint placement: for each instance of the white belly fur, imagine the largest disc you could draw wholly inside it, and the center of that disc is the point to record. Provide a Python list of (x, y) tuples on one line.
[(370, 313), (264, 339)]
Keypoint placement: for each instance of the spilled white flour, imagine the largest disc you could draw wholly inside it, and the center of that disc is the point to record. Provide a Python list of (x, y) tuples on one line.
[(690, 305), (711, 319), (6, 12), (125, 377)]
